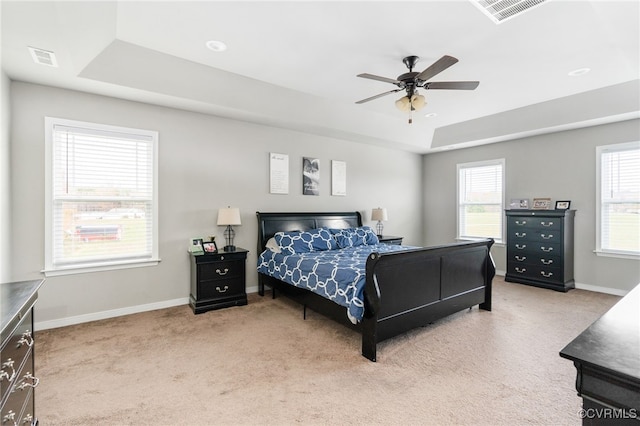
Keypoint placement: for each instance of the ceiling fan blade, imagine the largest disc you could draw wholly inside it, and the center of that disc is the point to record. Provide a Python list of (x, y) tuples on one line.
[(376, 77), (377, 96), (452, 85), (437, 67)]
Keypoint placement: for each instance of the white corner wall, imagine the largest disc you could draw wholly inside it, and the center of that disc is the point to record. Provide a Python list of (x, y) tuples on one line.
[(5, 188), (561, 166), (205, 162)]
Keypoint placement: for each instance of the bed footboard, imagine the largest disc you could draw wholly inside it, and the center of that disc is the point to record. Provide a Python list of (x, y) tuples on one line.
[(410, 289)]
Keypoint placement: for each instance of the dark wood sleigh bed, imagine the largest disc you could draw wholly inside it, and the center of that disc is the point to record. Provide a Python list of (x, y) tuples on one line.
[(403, 290)]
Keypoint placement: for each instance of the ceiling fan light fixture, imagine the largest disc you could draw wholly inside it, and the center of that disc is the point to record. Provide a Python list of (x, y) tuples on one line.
[(418, 102), (403, 104)]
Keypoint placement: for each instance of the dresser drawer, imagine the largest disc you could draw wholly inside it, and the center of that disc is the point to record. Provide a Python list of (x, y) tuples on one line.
[(534, 259), (14, 352), (221, 270), (20, 393), (535, 272)]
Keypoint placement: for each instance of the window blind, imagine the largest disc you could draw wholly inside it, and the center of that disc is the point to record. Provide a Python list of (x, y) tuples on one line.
[(620, 198), (481, 199), (102, 200)]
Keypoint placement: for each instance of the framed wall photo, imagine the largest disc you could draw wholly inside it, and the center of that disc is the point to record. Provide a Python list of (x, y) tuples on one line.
[(278, 173), (541, 203), (310, 176), (338, 178), (563, 205)]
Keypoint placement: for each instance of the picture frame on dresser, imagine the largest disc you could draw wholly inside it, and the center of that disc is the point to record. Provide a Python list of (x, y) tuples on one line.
[(563, 205), (541, 203)]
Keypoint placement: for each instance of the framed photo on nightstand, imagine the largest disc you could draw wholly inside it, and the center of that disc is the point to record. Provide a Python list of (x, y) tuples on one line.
[(563, 205)]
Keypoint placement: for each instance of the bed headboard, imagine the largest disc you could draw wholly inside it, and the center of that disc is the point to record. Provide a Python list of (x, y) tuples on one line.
[(270, 223)]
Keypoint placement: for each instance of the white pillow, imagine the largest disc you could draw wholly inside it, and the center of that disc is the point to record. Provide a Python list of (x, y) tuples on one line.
[(272, 245)]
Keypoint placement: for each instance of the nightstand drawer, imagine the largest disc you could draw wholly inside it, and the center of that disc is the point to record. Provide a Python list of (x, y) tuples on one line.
[(217, 289), (220, 270)]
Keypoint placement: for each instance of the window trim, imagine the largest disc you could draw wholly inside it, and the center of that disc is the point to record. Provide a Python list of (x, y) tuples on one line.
[(599, 251), (483, 163), (49, 268)]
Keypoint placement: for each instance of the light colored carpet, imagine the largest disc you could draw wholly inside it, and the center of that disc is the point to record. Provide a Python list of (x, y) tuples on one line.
[(263, 364)]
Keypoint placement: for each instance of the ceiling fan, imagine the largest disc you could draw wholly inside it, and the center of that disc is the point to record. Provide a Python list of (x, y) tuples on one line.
[(412, 80)]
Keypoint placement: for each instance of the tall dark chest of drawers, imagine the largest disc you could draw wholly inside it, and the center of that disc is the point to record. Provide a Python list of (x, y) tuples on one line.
[(540, 248), (17, 375)]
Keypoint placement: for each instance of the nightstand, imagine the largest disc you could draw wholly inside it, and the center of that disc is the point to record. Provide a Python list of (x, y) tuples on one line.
[(218, 280), (390, 239)]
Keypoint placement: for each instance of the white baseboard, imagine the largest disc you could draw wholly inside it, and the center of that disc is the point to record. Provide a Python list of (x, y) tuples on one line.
[(606, 290), (79, 319)]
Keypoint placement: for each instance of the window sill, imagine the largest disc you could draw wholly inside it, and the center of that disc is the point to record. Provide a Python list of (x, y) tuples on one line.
[(71, 270), (618, 254)]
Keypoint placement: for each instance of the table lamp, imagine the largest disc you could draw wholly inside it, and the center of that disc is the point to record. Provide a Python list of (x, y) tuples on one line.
[(229, 216)]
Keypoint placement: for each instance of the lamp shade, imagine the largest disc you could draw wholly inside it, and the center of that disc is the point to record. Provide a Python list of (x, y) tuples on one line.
[(229, 216), (379, 214)]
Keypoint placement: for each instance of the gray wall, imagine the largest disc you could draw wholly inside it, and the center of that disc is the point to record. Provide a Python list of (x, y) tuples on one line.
[(559, 165), (205, 163), (5, 189)]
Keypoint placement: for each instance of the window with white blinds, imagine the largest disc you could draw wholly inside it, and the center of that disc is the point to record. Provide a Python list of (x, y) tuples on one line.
[(481, 200), (101, 197), (618, 198)]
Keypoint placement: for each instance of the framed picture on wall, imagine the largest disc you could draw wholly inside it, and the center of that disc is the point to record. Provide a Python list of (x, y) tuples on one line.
[(310, 176)]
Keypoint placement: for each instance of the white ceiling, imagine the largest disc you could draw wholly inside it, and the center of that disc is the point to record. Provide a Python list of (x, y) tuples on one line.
[(293, 64)]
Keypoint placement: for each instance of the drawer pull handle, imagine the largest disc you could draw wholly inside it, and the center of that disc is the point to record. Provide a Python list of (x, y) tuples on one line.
[(34, 382), (9, 417), (546, 237), (521, 246), (219, 272), (521, 222), (4, 375), (26, 338), (546, 274), (546, 262), (521, 235), (521, 258), (521, 270), (226, 287), (546, 249), (547, 224)]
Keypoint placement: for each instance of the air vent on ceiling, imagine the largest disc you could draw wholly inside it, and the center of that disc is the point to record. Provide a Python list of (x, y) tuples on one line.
[(501, 10), (43, 57)]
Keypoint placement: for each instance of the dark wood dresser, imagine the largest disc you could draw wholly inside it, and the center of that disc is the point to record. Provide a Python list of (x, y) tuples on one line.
[(17, 375), (218, 280), (540, 248), (607, 359)]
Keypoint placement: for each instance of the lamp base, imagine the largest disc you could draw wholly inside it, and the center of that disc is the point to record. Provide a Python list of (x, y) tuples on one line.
[(229, 248)]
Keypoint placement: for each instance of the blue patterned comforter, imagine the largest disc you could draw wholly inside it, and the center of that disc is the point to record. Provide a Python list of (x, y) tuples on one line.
[(338, 275)]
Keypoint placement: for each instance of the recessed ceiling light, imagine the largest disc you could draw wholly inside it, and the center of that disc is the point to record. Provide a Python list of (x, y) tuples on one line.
[(579, 72), (216, 45), (431, 114)]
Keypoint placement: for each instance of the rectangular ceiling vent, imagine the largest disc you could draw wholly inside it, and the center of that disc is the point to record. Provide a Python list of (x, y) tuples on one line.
[(502, 10), (43, 57)]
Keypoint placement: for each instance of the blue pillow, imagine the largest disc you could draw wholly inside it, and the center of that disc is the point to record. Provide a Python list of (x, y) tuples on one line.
[(353, 237), (305, 241)]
